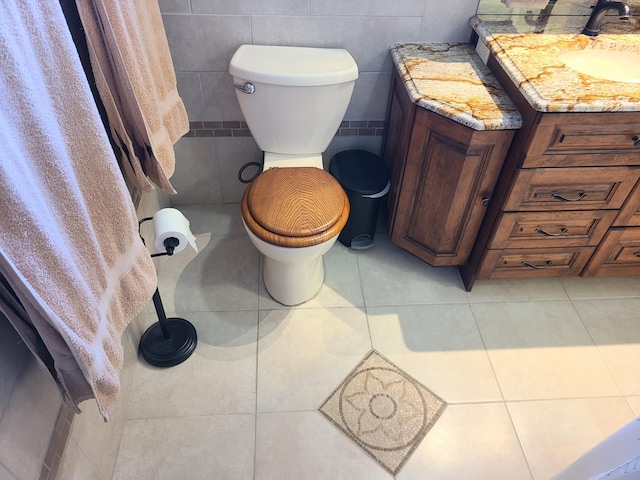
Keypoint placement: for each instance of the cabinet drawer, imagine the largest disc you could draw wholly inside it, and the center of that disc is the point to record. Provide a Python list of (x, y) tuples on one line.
[(618, 254), (551, 229), (571, 188), (528, 263), (597, 141)]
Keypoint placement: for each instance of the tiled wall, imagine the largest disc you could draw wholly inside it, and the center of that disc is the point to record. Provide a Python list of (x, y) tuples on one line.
[(204, 34)]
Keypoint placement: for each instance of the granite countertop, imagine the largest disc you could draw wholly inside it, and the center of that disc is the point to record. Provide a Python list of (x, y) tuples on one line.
[(451, 80), (532, 63)]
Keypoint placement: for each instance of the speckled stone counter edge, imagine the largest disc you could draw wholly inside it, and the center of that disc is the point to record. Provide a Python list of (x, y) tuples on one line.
[(447, 93), (532, 63)]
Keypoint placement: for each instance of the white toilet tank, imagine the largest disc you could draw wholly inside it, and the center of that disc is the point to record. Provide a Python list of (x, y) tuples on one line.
[(300, 95)]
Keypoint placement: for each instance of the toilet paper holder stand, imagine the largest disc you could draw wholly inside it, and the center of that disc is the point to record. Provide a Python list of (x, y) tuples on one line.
[(169, 341)]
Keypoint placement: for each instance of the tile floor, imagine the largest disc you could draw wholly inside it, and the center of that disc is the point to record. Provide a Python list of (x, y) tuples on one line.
[(534, 372)]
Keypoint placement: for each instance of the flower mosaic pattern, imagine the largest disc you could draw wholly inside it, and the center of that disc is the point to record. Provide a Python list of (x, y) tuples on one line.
[(385, 411)]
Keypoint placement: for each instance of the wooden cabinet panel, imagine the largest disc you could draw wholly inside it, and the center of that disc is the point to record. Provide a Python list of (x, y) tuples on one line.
[(400, 117), (442, 180), (618, 254), (545, 189), (629, 215), (569, 188), (527, 263), (551, 229)]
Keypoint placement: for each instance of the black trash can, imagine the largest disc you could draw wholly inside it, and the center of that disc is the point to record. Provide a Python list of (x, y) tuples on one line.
[(365, 178)]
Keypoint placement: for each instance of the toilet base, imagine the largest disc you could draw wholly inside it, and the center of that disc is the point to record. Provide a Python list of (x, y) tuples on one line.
[(293, 284)]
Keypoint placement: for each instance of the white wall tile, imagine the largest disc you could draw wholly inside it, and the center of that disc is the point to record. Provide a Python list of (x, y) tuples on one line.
[(174, 6), (205, 42), (367, 38), (219, 98), (251, 7), (373, 8), (190, 91), (197, 175)]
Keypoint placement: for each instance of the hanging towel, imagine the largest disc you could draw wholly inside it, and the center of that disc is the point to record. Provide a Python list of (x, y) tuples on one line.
[(69, 243), (136, 81)]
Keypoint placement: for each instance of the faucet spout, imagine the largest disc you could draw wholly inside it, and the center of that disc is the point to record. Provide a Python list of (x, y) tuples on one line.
[(600, 10)]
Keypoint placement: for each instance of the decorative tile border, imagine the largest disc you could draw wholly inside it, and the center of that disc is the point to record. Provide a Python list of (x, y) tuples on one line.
[(240, 128), (383, 410)]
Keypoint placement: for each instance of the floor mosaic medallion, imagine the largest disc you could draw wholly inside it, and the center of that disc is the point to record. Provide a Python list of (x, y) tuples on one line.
[(383, 410)]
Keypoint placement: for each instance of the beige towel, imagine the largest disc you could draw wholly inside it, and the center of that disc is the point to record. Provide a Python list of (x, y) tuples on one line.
[(136, 81), (69, 244)]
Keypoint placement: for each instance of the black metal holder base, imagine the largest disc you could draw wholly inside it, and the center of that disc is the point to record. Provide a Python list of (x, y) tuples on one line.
[(168, 342)]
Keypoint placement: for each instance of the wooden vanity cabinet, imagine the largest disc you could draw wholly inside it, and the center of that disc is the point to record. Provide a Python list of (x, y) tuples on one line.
[(442, 177), (567, 202)]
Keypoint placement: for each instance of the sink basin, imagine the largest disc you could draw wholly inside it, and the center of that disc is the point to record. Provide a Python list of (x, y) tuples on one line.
[(615, 65)]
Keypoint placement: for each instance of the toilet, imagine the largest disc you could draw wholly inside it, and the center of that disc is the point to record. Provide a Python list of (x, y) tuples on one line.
[(293, 100)]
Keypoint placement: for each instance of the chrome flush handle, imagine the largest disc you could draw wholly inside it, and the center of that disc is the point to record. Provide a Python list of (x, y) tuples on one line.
[(246, 88)]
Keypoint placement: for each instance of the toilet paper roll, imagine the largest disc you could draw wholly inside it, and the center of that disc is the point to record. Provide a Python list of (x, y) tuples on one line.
[(168, 223)]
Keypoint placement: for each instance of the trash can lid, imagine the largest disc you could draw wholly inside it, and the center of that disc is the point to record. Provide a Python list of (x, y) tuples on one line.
[(359, 171)]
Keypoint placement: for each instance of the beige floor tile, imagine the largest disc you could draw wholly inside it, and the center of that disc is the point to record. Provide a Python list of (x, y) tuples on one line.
[(75, 465), (541, 350), (391, 276), (524, 289), (219, 446), (554, 433), (341, 286), (438, 345), (224, 275), (105, 437), (220, 219), (305, 445), (218, 378), (303, 354), (634, 403), (601, 287), (614, 326), (469, 442)]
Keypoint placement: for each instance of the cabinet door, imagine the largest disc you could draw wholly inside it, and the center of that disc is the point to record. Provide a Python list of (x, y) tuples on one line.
[(448, 180), (400, 116)]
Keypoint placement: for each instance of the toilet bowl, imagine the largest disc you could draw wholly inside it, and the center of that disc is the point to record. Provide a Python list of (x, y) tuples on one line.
[(293, 216), (293, 100)]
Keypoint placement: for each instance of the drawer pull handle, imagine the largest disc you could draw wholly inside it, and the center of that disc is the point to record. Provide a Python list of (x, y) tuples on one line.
[(542, 231), (636, 141), (485, 202), (637, 254), (537, 267), (557, 196)]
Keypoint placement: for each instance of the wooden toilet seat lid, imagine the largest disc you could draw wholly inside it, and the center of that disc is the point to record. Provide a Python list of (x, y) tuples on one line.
[(304, 205)]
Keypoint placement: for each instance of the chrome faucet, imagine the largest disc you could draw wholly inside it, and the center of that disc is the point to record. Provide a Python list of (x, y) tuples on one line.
[(599, 11)]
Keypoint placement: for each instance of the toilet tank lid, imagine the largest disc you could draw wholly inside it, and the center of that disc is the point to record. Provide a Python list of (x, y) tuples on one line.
[(299, 66)]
